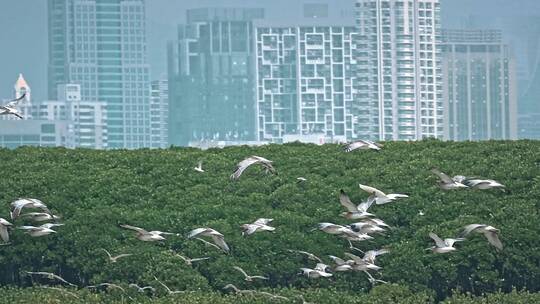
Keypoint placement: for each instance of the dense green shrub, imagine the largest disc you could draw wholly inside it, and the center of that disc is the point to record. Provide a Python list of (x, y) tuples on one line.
[(386, 294), (96, 191)]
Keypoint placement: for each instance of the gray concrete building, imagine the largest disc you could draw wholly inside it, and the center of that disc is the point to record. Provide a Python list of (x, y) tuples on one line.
[(211, 77), (480, 94)]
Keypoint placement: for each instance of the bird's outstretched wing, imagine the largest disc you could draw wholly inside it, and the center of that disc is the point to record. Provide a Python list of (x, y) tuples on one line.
[(371, 190), (241, 271), (310, 256), (196, 232), (354, 145), (445, 178), (220, 241), (140, 230), (346, 202), (470, 228), (493, 239), (13, 103), (438, 241), (199, 259), (242, 166), (262, 221)]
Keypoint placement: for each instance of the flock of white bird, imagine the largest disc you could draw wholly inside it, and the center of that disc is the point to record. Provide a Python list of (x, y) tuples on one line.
[(366, 227)]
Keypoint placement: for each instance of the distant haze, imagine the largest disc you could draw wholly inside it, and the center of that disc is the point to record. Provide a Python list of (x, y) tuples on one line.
[(23, 28)]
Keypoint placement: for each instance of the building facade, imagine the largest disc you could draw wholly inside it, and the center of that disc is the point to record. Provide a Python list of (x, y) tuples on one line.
[(86, 121), (159, 114), (305, 82), (33, 132), (211, 77), (480, 94), (101, 45), (402, 77)]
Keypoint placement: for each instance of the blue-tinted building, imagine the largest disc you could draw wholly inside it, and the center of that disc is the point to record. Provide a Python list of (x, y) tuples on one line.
[(101, 45)]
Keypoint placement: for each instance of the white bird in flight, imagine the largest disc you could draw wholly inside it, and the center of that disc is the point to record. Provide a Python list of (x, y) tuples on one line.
[(372, 280), (247, 277), (19, 204), (362, 145), (341, 265), (199, 167), (355, 211), (142, 289), (447, 183), (491, 233), (40, 216), (259, 225), (10, 107), (443, 246), (169, 291), (190, 261), (51, 225), (217, 237), (314, 274), (50, 276), (371, 255), (366, 228), (483, 184), (252, 160), (4, 225), (37, 231), (272, 296), (380, 197), (331, 228), (362, 264), (238, 290), (309, 255), (148, 236), (114, 259)]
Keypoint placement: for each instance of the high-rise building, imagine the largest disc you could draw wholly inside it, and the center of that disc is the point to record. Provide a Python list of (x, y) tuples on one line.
[(159, 113), (305, 82), (402, 78), (521, 32), (101, 45), (85, 120), (480, 95), (211, 77)]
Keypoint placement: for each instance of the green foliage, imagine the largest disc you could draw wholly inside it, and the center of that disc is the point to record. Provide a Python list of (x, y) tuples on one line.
[(387, 294), (96, 191)]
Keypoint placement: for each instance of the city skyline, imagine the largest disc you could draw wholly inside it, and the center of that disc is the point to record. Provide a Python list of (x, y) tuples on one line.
[(28, 40), (240, 73)]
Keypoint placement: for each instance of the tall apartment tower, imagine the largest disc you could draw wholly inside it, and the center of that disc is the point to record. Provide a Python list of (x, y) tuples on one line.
[(211, 77), (480, 99), (305, 82), (403, 77), (101, 45), (159, 113)]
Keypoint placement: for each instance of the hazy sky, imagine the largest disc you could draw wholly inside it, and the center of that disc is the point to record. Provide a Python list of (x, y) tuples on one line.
[(23, 29)]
